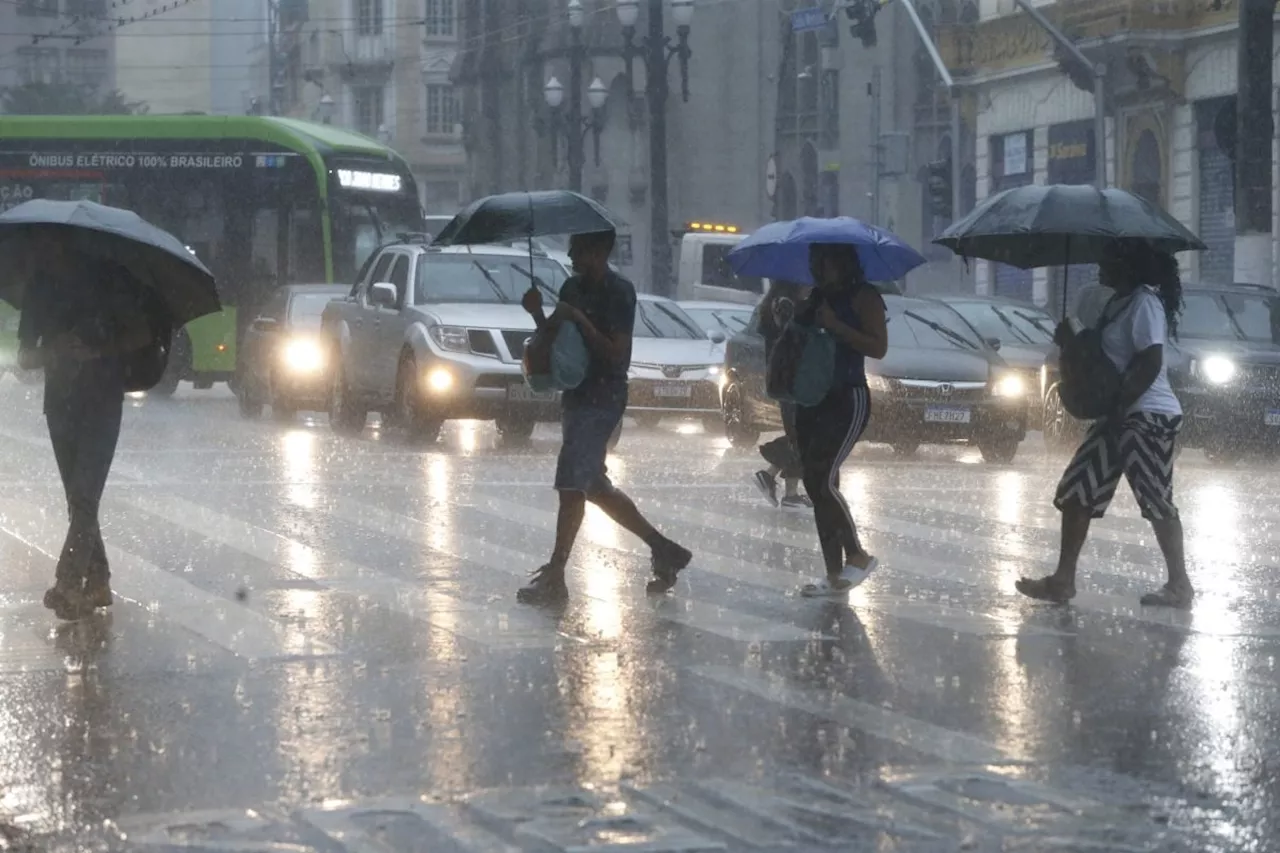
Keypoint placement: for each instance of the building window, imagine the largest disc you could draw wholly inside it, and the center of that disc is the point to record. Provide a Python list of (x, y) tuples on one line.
[(368, 109), (85, 67), (369, 17), (43, 8), (442, 110), (441, 20), (84, 8), (39, 65)]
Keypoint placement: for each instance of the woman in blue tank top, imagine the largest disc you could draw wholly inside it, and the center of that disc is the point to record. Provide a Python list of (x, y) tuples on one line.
[(852, 311)]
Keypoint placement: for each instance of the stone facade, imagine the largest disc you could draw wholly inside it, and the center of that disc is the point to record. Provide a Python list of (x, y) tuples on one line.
[(1172, 67)]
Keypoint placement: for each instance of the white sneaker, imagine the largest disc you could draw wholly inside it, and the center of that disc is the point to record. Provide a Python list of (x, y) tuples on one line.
[(851, 577)]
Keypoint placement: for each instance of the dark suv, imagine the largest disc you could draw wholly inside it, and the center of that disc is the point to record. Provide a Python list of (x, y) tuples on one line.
[(1224, 367), (940, 383)]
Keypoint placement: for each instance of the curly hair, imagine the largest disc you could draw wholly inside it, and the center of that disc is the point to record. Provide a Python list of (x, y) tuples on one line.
[(1150, 266)]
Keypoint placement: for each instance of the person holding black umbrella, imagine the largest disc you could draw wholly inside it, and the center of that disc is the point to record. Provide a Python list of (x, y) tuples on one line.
[(79, 320), (602, 304), (1137, 440)]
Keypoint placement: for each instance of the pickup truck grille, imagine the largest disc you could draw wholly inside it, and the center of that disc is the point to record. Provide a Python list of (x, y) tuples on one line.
[(515, 339), (482, 342)]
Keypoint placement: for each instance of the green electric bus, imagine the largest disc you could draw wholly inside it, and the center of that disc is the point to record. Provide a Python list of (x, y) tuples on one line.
[(263, 201)]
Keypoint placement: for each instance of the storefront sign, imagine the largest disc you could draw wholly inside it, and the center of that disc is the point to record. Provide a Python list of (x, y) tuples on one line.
[(1071, 148)]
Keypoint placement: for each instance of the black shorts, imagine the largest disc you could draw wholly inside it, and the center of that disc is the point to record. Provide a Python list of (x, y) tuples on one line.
[(586, 431)]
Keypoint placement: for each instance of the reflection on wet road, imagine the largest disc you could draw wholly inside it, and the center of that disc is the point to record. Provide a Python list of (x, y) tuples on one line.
[(316, 646)]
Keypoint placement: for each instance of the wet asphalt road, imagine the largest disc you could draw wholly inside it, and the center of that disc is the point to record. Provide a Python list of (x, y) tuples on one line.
[(316, 646)]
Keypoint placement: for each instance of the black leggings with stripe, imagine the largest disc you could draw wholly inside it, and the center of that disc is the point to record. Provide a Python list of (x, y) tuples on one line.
[(825, 436)]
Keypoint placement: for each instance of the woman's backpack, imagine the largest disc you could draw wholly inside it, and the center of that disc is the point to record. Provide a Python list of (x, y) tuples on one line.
[(1090, 380), (555, 360), (802, 366)]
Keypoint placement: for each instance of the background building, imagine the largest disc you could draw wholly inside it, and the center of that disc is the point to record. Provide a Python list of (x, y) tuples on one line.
[(75, 44), (206, 56), (778, 123), (381, 67), (1170, 119)]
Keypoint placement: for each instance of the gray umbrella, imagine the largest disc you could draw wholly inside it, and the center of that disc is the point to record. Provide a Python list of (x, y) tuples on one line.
[(1058, 224), (104, 234), (509, 217)]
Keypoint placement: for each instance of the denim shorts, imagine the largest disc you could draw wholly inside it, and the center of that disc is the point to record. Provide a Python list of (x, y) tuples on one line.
[(586, 430)]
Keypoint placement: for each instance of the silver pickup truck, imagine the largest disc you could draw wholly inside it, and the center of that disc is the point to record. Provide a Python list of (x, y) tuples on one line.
[(433, 334)]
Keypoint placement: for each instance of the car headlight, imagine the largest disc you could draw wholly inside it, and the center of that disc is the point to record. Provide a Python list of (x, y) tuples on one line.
[(303, 356), (877, 383), (1216, 369), (451, 338), (1010, 385), (714, 370), (438, 380)]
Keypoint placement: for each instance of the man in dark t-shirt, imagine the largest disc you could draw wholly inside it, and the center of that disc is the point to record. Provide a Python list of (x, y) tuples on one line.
[(603, 306)]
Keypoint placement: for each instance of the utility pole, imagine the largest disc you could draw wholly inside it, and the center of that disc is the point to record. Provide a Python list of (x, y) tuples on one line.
[(1254, 135), (876, 147), (273, 57)]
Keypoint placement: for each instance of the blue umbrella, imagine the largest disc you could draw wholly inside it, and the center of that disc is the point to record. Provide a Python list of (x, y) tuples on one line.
[(780, 250)]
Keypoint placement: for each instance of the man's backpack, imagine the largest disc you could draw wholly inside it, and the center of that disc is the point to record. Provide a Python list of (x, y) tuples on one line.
[(1090, 379), (144, 368)]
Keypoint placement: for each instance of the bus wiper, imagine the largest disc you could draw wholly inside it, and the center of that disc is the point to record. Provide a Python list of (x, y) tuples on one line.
[(537, 282), (497, 288), (950, 334), (1017, 333)]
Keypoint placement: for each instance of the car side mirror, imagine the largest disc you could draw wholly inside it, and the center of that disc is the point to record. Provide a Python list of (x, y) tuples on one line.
[(718, 337), (266, 324), (994, 343), (383, 295)]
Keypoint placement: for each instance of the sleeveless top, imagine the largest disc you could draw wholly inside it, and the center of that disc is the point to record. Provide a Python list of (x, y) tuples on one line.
[(851, 364)]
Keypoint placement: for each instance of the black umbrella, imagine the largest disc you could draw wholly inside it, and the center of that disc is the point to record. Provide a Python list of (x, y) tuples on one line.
[(110, 236), (508, 217), (1058, 224)]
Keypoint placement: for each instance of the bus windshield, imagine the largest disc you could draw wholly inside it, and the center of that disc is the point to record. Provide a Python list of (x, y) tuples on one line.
[(364, 221)]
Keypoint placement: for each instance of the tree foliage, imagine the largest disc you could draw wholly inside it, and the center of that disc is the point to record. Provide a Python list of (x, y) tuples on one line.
[(65, 99)]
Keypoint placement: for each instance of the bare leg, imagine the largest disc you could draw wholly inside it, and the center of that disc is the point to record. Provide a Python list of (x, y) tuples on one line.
[(573, 506), (1169, 535), (622, 510), (1060, 587)]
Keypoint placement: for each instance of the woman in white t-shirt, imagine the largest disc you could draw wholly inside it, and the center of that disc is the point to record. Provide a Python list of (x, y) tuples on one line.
[(1137, 441)]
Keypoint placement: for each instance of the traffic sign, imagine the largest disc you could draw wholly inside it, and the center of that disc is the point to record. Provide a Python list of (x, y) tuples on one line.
[(807, 20), (771, 177)]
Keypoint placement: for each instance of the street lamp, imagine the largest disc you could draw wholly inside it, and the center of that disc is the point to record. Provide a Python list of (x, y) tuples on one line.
[(657, 51), (326, 108), (576, 127), (577, 17)]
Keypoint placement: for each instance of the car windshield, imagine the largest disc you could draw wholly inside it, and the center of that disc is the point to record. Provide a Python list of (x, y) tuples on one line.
[(931, 326), (1256, 316), (1204, 315), (482, 278), (730, 321), (1008, 323), (305, 308), (664, 320)]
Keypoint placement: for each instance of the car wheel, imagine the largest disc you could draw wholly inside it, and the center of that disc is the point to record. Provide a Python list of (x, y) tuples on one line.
[(515, 429), (345, 416), (905, 449), (410, 415), (283, 411), (1061, 431), (179, 362), (739, 431), (999, 451), (646, 420), (250, 407)]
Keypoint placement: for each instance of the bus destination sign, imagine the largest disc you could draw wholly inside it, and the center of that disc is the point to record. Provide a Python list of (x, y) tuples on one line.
[(134, 160)]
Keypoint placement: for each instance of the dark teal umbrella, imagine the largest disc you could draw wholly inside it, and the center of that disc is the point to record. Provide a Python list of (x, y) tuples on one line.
[(509, 217), (1047, 225), (109, 236)]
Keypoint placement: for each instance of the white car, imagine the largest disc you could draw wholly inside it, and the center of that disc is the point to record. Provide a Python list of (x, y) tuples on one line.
[(675, 368), (720, 320)]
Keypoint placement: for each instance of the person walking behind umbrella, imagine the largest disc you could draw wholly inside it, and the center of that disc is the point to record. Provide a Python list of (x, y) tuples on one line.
[(79, 318), (603, 306), (781, 453), (853, 312), (1137, 441)]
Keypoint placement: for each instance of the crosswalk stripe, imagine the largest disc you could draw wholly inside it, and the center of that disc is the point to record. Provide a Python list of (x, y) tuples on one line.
[(921, 736), (227, 624), (741, 570), (493, 626)]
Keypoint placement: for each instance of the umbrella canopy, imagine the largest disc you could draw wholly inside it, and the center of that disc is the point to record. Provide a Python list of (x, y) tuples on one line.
[(152, 256), (522, 216), (1058, 224), (780, 250)]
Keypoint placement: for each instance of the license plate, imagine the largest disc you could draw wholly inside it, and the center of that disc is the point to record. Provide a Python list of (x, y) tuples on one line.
[(672, 389), (946, 415), (522, 393), (1272, 417)]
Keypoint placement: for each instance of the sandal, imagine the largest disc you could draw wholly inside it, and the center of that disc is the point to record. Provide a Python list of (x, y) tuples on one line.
[(1046, 589), (1176, 598)]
